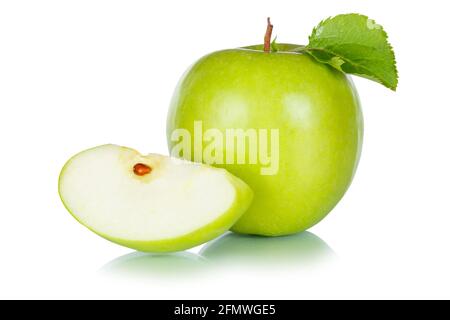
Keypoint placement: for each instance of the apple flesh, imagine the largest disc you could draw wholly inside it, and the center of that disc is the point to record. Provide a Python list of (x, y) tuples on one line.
[(316, 110), (150, 203)]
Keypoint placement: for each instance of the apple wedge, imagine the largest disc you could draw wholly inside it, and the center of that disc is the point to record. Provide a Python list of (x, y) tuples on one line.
[(151, 203)]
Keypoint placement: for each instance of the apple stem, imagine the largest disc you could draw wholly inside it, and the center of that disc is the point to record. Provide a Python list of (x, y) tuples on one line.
[(141, 169), (268, 36)]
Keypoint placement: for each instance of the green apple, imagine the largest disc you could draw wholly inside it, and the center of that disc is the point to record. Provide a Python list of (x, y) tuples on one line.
[(313, 109), (150, 203)]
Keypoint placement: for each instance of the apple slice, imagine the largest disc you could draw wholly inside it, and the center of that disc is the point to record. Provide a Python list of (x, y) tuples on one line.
[(151, 203)]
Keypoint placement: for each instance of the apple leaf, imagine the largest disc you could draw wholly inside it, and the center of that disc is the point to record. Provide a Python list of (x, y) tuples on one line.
[(274, 45), (355, 44)]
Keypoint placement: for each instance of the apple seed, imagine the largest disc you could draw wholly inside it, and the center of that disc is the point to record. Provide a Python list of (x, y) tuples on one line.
[(141, 169)]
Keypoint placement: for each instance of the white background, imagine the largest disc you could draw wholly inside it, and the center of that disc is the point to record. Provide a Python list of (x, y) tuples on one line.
[(75, 74)]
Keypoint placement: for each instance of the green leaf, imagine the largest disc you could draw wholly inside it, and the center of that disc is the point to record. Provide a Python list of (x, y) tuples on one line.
[(355, 44), (274, 45)]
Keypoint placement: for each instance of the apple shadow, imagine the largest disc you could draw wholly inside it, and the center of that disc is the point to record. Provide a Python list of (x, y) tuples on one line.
[(299, 250), (147, 265)]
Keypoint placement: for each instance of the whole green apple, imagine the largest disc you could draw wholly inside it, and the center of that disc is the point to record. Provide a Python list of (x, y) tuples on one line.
[(304, 115)]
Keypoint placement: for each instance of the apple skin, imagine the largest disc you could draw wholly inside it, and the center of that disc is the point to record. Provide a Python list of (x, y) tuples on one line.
[(243, 198), (317, 111)]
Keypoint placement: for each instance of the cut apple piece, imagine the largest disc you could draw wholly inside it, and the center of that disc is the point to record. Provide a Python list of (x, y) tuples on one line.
[(151, 203)]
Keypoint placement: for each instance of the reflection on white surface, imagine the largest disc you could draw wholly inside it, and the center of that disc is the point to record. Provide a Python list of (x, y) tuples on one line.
[(298, 251), (141, 264)]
